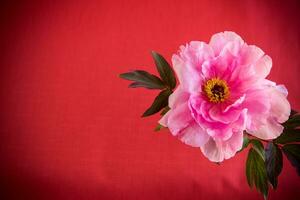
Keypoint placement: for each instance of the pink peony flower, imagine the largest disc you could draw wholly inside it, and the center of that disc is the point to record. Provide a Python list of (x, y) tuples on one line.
[(223, 92)]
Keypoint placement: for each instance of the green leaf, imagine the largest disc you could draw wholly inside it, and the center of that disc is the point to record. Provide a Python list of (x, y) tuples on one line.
[(288, 136), (258, 147), (292, 152), (256, 172), (159, 103), (293, 112), (159, 127), (273, 163), (165, 110), (143, 79), (293, 121), (165, 70), (246, 142), (291, 132)]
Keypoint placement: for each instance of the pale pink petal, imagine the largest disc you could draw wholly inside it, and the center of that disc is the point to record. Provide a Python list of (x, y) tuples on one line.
[(195, 53), (263, 66), (188, 77), (220, 40), (220, 66), (249, 69), (179, 118), (249, 55), (282, 89), (164, 120), (257, 102), (217, 151), (268, 130), (216, 114), (266, 82), (178, 97), (234, 144), (266, 111), (220, 133), (193, 135), (187, 64), (212, 151), (232, 47), (280, 107)]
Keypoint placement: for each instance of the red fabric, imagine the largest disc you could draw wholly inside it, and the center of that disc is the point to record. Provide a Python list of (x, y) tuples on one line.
[(71, 129)]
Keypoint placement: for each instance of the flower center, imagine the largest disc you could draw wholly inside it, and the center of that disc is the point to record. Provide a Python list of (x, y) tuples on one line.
[(216, 90)]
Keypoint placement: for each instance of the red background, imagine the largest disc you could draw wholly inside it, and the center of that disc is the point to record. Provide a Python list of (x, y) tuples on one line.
[(71, 129)]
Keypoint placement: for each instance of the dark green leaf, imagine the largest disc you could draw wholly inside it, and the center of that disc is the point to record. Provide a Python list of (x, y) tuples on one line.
[(165, 70), (258, 147), (293, 112), (144, 85), (143, 79), (293, 121), (288, 136), (256, 172), (292, 152), (246, 142), (292, 124), (165, 110), (159, 103), (291, 132), (273, 163)]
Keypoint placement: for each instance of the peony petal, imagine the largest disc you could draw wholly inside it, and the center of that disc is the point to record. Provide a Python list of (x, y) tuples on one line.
[(164, 120), (263, 66), (228, 115), (179, 118), (187, 64), (282, 89), (178, 97), (193, 135), (188, 77), (268, 130), (267, 112), (232, 47), (220, 40), (217, 151), (257, 102), (280, 107), (216, 114), (236, 103), (212, 151), (223, 132), (200, 107), (234, 144), (219, 67), (249, 69), (195, 53), (249, 55)]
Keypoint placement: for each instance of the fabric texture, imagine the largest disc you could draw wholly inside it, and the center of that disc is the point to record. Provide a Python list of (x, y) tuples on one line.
[(71, 128)]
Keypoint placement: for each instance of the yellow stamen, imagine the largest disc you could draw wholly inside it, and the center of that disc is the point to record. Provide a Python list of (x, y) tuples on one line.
[(216, 90)]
